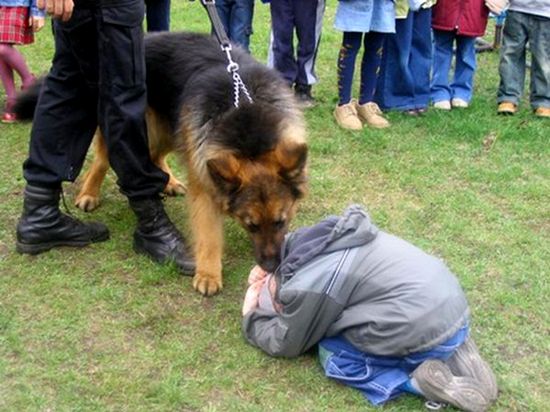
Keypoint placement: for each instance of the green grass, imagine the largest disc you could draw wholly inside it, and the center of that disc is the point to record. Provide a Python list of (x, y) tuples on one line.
[(101, 329)]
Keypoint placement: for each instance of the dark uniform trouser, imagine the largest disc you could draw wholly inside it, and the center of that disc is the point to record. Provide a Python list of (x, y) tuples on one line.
[(97, 78)]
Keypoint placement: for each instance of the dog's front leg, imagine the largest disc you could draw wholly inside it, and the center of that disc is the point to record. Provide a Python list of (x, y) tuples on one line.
[(207, 226)]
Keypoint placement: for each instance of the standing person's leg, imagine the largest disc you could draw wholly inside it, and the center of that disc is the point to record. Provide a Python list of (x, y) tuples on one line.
[(345, 112), (440, 90), (158, 15), (368, 110), (122, 104), (63, 127), (370, 65), (351, 43), (14, 59), (420, 64), (282, 44), (241, 22), (512, 62), (463, 84), (539, 40), (6, 76), (395, 88), (309, 21)]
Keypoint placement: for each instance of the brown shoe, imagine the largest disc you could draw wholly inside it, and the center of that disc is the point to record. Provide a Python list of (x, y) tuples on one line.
[(371, 114), (507, 108), (542, 112), (346, 116)]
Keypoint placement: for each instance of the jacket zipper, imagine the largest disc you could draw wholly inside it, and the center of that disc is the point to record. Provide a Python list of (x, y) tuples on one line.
[(337, 272)]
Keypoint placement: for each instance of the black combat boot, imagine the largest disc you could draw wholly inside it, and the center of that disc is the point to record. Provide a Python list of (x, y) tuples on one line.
[(157, 237), (42, 226)]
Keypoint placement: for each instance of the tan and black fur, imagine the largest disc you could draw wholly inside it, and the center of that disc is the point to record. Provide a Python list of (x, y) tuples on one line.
[(247, 162)]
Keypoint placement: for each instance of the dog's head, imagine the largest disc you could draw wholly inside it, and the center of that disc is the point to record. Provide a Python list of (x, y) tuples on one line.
[(262, 194)]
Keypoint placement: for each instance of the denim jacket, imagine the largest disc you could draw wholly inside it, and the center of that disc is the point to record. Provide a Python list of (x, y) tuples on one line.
[(35, 11)]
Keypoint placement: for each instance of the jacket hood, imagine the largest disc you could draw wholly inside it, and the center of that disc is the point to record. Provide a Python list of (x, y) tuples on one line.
[(354, 228)]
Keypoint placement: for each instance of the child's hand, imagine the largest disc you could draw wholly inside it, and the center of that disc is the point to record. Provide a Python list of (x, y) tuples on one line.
[(496, 6), (252, 296), (36, 23), (58, 9), (256, 274)]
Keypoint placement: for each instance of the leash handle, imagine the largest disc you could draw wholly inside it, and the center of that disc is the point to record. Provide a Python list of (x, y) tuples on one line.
[(232, 66)]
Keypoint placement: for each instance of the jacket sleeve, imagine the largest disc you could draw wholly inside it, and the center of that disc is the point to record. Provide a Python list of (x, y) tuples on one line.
[(35, 11), (295, 329)]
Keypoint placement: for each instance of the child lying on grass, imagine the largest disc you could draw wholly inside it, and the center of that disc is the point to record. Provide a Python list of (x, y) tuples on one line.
[(388, 317)]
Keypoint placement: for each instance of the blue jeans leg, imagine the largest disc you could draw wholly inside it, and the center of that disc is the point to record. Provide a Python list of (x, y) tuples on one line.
[(157, 15), (512, 58), (240, 22), (443, 55), (539, 39), (395, 86), (463, 83), (421, 57)]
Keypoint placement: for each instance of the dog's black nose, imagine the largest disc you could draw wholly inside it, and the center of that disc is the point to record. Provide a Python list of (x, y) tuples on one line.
[(270, 264)]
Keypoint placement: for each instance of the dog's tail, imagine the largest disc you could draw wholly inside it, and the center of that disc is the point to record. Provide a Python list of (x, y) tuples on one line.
[(26, 101)]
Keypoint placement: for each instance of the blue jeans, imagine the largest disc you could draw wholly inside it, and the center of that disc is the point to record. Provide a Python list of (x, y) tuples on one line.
[(157, 15), (465, 66), (379, 378), (520, 28), (404, 79), (236, 16)]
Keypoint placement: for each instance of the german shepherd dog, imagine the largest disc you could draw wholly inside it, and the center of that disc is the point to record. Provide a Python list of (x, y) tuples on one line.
[(248, 162)]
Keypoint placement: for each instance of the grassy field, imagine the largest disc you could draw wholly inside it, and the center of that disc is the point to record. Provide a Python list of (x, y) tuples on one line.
[(101, 329)]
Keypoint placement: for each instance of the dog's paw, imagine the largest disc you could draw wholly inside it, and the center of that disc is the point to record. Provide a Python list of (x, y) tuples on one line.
[(87, 202), (207, 285), (175, 188)]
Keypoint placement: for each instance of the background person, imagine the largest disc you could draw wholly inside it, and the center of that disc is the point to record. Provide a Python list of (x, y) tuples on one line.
[(527, 21), (364, 22), (305, 18), (388, 317), (460, 23), (404, 79), (19, 19)]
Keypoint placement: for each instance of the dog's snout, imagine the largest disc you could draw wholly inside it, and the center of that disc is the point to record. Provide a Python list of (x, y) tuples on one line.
[(269, 263)]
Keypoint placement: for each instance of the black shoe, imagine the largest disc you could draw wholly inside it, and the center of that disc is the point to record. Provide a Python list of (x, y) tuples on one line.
[(303, 95), (157, 237), (42, 226)]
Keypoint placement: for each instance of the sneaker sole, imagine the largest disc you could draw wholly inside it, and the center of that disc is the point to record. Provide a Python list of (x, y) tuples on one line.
[(37, 248), (436, 382)]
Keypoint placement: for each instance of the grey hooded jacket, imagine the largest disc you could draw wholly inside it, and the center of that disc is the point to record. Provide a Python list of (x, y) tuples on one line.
[(344, 276)]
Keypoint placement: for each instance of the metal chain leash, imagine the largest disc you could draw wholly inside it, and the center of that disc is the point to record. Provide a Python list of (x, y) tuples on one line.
[(238, 84)]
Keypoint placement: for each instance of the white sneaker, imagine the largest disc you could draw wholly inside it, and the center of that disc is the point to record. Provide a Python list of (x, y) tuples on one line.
[(442, 105), (437, 383), (459, 103)]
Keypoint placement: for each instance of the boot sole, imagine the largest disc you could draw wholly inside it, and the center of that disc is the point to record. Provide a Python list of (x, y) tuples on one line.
[(436, 382), (37, 248)]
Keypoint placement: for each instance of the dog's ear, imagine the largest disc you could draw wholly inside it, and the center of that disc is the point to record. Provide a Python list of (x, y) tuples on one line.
[(292, 160), (223, 171)]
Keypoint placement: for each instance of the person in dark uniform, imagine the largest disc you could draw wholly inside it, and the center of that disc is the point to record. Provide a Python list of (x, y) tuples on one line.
[(97, 78)]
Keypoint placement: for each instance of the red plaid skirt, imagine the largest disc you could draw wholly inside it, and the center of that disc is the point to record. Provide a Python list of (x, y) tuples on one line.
[(14, 25)]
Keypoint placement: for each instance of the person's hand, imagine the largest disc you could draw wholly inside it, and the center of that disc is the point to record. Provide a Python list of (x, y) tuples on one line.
[(252, 296), (36, 23), (256, 274), (496, 6), (58, 9)]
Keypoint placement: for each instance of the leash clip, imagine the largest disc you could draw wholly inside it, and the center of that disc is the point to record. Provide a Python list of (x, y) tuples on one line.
[(238, 84)]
